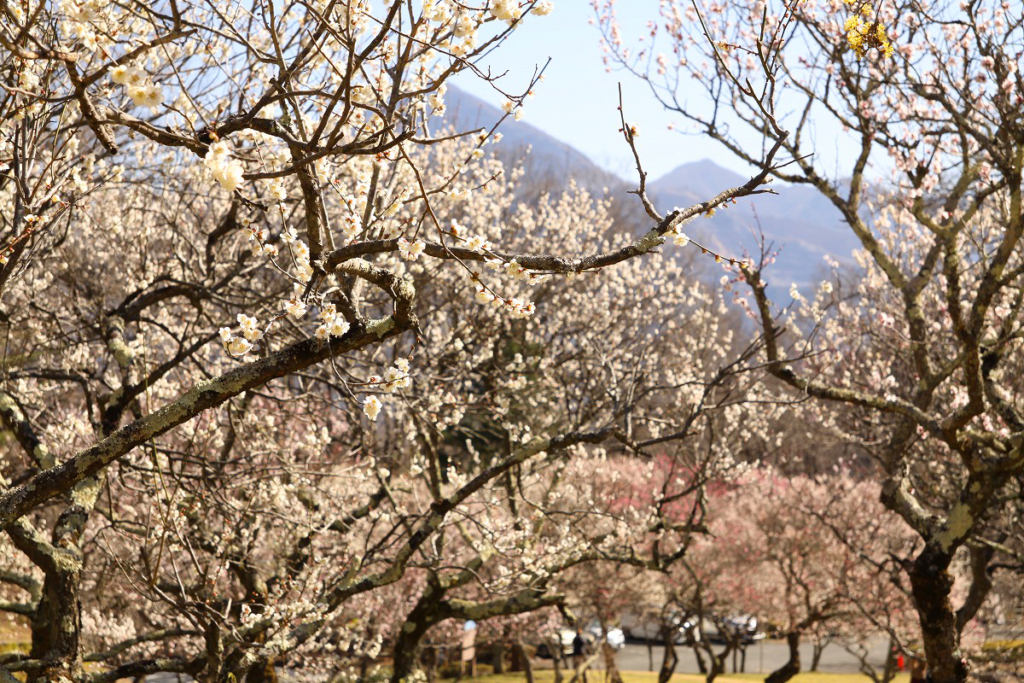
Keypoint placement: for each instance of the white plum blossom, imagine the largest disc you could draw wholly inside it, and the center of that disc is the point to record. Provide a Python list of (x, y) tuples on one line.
[(371, 407), (465, 26), (249, 327), (506, 10), (516, 271), (149, 95), (339, 326), (519, 308), (225, 170), (543, 8), (238, 346), (295, 307), (276, 190), (410, 251), (460, 194)]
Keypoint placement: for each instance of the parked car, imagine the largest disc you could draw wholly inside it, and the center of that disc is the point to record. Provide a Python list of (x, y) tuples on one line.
[(742, 625), (649, 628), (591, 634)]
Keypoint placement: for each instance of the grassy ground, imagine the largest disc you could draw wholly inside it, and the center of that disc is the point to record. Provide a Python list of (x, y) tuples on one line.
[(651, 677)]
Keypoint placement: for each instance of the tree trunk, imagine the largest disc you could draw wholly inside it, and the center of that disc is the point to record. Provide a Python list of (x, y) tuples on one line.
[(819, 646), (420, 620), (701, 665), (57, 628), (523, 660), (498, 657), (792, 667), (516, 660), (931, 585), (57, 624), (611, 667), (404, 664), (555, 646), (718, 661), (889, 672), (431, 664), (670, 660), (264, 672)]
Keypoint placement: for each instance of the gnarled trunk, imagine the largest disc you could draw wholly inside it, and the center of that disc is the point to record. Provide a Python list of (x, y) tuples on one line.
[(407, 647), (670, 660), (611, 667), (57, 628), (701, 664), (498, 657), (931, 586), (889, 671), (57, 623), (792, 667), (819, 647), (557, 656), (522, 659)]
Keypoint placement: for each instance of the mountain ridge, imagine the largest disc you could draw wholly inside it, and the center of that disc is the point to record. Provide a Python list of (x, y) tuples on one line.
[(797, 221), (801, 225)]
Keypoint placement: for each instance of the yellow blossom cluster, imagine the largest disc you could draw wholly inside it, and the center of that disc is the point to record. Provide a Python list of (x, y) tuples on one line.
[(862, 34)]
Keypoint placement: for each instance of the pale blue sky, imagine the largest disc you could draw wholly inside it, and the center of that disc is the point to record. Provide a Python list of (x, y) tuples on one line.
[(577, 101)]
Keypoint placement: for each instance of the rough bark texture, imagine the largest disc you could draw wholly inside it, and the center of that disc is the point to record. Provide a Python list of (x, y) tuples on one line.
[(498, 657), (523, 662), (413, 631), (701, 664), (819, 647), (670, 660), (718, 661), (555, 646), (611, 667), (889, 672), (931, 585), (790, 668), (56, 630)]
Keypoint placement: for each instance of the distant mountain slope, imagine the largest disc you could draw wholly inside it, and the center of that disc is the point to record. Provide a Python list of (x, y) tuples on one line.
[(799, 221), (548, 157)]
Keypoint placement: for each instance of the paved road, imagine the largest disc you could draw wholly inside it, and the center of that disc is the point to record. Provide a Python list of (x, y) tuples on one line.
[(762, 657)]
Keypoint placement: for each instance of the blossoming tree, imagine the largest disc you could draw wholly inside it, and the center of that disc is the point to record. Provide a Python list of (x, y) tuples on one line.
[(279, 347), (917, 360)]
